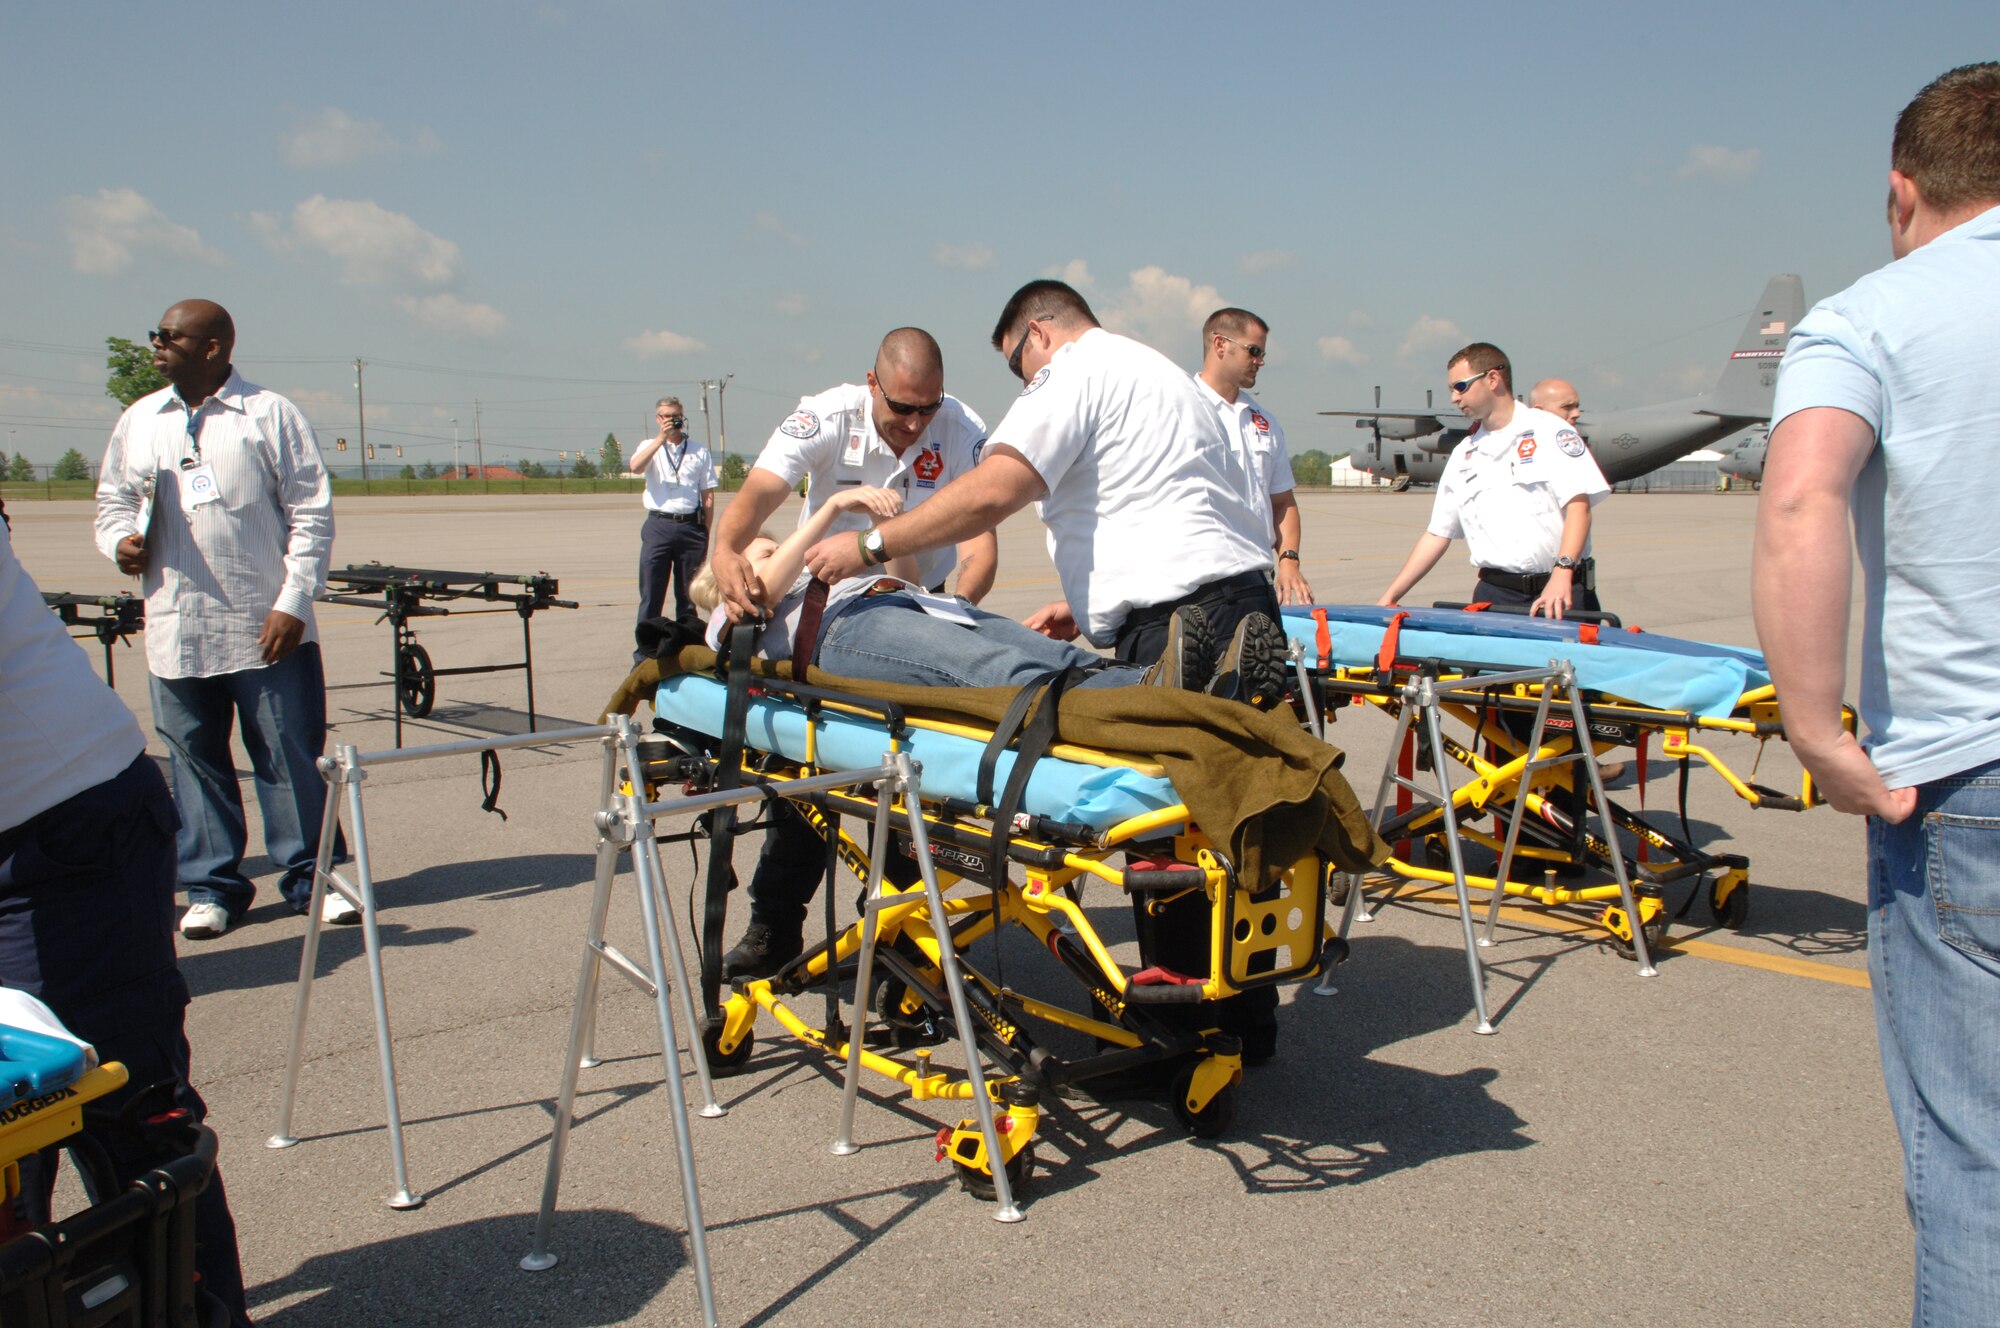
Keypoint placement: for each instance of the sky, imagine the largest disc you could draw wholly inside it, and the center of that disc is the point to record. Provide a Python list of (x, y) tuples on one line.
[(561, 212)]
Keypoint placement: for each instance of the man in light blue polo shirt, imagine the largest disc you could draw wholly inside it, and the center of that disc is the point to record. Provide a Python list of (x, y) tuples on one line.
[(1886, 405)]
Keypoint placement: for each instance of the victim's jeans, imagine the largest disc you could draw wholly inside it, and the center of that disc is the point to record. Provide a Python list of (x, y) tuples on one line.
[(1934, 961)]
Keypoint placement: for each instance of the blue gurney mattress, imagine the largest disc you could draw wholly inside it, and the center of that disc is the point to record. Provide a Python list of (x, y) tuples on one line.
[(1663, 672), (1097, 796)]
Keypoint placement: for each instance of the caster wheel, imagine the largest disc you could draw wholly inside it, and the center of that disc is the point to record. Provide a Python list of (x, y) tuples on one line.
[(1212, 1120), (722, 1066), (1656, 940), (1732, 912), (416, 690), (979, 1184)]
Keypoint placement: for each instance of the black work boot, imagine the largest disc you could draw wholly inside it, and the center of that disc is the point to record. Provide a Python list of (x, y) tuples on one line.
[(1186, 658), (761, 951), (1253, 666)]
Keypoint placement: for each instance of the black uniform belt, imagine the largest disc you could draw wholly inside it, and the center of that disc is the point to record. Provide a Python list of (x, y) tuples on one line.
[(682, 517), (1527, 583), (1229, 585)]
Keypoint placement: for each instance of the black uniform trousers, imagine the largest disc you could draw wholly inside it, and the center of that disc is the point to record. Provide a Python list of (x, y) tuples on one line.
[(671, 549), (1175, 934), (1569, 801), (87, 927)]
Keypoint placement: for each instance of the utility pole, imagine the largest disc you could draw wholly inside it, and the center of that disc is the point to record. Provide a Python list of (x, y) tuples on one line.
[(456, 473), (479, 446), (721, 420), (361, 407), (707, 421)]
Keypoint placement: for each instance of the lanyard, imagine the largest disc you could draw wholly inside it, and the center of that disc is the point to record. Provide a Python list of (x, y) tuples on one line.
[(194, 435)]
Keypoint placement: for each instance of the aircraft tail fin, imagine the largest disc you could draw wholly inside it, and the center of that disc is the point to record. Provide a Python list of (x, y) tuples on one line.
[(1750, 380)]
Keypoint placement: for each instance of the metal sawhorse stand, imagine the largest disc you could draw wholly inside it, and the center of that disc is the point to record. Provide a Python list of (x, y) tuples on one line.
[(1424, 695)]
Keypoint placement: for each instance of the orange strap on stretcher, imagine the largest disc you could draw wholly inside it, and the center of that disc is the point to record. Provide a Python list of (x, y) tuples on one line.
[(1391, 637), (1323, 639)]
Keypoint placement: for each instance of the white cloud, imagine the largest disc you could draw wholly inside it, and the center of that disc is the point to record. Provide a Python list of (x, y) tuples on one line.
[(1075, 273), (1428, 334), (965, 257), (792, 305), (1707, 161), (1339, 350), (807, 354), (448, 313), (375, 246), (652, 345), (772, 224), (1360, 321), (1265, 260), (332, 137), (104, 231), (1160, 308)]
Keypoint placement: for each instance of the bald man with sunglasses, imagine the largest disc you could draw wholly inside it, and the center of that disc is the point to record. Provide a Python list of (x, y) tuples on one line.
[(897, 431)]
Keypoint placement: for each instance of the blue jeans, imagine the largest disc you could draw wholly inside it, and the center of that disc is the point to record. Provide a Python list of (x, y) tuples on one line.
[(283, 710), (887, 638), (1934, 960)]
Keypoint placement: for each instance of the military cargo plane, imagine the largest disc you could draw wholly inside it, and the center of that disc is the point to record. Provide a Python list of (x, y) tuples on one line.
[(1411, 446), (1746, 462)]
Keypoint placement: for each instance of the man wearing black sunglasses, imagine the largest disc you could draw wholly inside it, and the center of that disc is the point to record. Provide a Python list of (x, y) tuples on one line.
[(680, 500), (899, 431), (1518, 489)]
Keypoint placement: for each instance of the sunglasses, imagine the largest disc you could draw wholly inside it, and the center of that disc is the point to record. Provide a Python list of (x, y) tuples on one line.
[(1020, 348), (1254, 352), (1465, 384), (906, 408), (161, 334)]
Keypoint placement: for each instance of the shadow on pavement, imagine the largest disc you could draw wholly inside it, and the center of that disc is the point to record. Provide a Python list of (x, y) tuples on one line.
[(617, 1266)]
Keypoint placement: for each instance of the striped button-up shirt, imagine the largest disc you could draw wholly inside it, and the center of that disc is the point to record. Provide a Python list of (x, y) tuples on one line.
[(214, 572)]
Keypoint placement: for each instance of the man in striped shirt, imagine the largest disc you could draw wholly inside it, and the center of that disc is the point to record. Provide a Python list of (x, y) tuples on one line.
[(214, 494)]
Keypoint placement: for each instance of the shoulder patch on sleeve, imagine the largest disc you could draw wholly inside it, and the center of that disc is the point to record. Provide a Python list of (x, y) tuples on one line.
[(978, 446), (1041, 376), (1570, 442), (801, 424)]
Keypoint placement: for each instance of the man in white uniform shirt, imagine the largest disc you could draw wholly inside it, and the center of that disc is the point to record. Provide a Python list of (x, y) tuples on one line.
[(1147, 504), (1234, 342), (898, 431), (213, 492), (680, 502), (87, 896), (1518, 489)]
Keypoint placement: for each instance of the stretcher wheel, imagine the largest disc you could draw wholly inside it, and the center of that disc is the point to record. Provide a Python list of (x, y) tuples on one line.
[(1733, 911), (722, 1066), (1212, 1120), (1656, 939), (979, 1184), (416, 689)]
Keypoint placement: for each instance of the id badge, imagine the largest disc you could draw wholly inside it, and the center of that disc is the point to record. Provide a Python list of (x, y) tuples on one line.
[(856, 449), (198, 487)]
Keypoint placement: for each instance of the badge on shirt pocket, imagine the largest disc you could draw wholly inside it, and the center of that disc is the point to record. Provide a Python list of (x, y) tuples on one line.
[(857, 447)]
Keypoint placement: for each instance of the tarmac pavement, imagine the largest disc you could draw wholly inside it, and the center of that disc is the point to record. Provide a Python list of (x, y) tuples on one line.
[(1709, 1145)]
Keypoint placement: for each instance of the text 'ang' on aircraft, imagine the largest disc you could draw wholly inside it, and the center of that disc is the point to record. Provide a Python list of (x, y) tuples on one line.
[(1411, 446)]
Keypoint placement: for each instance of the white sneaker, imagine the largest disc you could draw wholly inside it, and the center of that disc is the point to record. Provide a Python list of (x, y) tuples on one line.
[(336, 910), (205, 922)]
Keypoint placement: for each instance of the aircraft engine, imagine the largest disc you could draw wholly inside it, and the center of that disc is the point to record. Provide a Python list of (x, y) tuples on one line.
[(1405, 428)]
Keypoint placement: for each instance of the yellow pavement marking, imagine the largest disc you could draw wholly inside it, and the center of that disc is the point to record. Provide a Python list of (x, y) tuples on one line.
[(1538, 920)]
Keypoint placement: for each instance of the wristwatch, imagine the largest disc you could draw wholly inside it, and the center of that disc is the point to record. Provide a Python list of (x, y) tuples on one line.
[(873, 551), (1568, 563), (1293, 554)]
